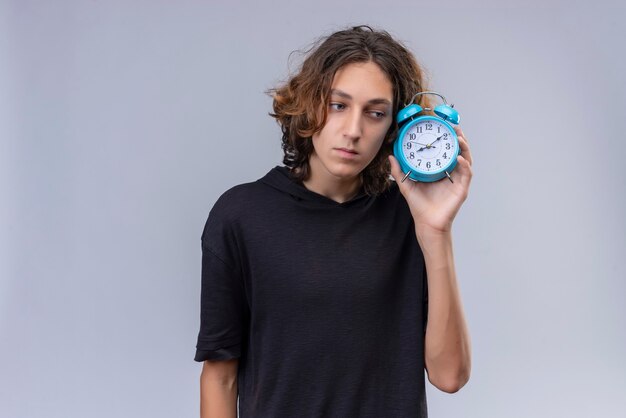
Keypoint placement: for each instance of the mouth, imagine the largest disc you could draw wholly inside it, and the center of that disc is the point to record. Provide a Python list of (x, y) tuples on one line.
[(346, 154), (351, 151)]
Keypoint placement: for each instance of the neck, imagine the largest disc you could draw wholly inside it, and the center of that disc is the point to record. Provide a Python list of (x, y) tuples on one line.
[(326, 184)]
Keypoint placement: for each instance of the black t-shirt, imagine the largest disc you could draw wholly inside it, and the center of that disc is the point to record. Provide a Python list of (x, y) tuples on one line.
[(324, 303)]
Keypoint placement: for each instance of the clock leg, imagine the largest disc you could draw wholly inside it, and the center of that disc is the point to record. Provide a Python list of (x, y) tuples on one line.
[(404, 178), (449, 178)]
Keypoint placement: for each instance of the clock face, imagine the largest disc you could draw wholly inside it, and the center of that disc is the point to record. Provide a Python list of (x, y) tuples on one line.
[(429, 145)]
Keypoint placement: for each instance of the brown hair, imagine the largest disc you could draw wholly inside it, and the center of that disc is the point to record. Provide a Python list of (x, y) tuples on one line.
[(301, 104)]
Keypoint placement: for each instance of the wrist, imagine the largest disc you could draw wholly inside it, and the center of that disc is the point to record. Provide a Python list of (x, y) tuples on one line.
[(433, 241), (427, 232)]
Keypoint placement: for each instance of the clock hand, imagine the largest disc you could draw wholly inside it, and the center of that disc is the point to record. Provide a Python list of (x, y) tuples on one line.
[(435, 141), (424, 146), (418, 143)]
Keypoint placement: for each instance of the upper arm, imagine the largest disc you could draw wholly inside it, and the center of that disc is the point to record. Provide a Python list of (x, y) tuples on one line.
[(224, 312)]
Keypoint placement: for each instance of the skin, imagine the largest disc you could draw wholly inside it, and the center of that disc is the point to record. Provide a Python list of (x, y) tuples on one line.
[(447, 346), (355, 122), (359, 115), (218, 389)]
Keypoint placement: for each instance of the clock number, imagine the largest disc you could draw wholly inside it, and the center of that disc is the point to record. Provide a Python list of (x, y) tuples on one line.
[(429, 126), (418, 129), (411, 155), (411, 136), (419, 162), (438, 129), (445, 155), (438, 162), (428, 164), (408, 145), (448, 145)]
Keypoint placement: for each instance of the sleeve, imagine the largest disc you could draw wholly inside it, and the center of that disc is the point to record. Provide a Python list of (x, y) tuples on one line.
[(223, 303)]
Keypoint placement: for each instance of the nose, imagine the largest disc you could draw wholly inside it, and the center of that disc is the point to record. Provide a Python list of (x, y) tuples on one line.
[(353, 122)]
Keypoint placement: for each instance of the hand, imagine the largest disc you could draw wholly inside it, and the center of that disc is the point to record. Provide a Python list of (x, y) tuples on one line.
[(435, 205)]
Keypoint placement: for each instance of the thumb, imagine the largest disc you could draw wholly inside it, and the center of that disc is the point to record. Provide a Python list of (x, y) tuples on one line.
[(396, 171)]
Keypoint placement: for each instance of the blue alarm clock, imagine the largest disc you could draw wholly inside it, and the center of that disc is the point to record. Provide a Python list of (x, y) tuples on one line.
[(427, 146)]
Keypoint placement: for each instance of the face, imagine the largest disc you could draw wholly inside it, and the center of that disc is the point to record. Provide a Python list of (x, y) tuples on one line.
[(359, 116)]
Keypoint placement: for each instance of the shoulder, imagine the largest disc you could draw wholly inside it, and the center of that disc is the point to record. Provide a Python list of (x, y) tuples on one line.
[(392, 189), (232, 199), (239, 199), (391, 194), (232, 206), (391, 200)]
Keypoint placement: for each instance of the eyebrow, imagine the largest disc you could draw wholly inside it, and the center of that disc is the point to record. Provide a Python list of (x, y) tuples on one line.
[(347, 96)]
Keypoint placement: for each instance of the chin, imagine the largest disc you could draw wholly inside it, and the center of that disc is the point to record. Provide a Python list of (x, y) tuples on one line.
[(344, 171)]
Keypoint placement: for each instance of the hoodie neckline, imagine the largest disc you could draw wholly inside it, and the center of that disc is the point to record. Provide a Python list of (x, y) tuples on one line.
[(280, 178)]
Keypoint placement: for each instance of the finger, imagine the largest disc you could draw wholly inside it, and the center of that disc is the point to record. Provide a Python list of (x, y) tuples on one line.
[(465, 150), (396, 171), (459, 131), (465, 172), (398, 174)]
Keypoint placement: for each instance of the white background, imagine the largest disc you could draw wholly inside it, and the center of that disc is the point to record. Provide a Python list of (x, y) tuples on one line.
[(121, 122)]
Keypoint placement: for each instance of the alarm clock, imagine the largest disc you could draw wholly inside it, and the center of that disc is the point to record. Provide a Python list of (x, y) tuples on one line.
[(427, 146)]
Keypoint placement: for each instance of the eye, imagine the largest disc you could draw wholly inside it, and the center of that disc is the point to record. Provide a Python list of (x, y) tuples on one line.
[(377, 114), (337, 106)]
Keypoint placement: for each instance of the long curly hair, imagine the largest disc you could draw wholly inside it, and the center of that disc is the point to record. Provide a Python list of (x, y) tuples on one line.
[(300, 105)]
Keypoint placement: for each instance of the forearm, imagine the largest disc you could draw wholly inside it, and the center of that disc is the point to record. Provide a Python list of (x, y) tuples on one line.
[(447, 347), (218, 397)]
